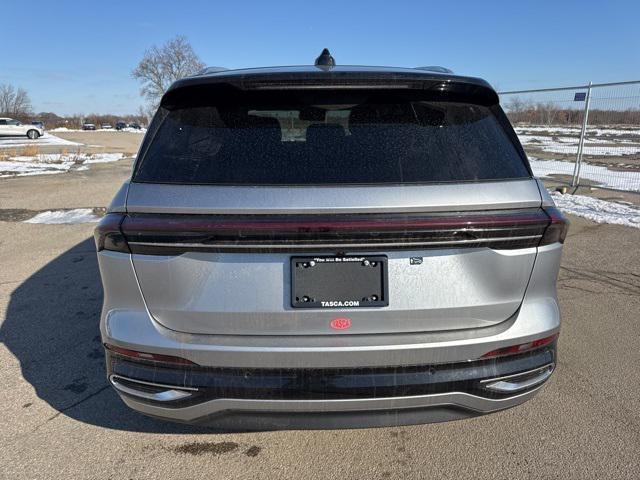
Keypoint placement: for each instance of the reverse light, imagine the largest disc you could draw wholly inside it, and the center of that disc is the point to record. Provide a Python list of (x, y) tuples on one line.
[(522, 347), (151, 357)]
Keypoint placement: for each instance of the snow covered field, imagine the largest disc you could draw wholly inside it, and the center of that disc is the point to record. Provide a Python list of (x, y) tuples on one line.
[(604, 142), (52, 163), (619, 180), (611, 155), (46, 140), (65, 129), (599, 211), (591, 131)]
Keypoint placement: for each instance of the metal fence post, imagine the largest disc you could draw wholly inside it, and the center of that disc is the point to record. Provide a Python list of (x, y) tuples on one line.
[(575, 180)]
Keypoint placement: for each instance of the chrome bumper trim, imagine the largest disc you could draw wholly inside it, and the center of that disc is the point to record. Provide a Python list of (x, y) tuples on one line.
[(199, 412), (168, 395), (519, 381)]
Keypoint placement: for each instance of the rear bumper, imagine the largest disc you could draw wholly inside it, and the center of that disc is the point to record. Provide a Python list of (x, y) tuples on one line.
[(330, 398), (242, 414)]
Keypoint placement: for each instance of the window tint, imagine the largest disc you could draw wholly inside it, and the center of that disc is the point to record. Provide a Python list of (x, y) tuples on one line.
[(337, 143)]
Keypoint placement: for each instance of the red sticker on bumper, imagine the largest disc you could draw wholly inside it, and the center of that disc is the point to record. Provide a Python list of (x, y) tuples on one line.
[(340, 323)]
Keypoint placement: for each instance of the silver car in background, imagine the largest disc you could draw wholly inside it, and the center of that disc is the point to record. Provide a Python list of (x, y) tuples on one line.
[(327, 247)]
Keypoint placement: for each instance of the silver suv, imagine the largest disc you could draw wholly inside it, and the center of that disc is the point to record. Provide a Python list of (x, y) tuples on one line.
[(325, 247)]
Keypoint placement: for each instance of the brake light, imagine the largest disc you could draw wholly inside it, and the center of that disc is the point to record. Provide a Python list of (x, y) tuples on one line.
[(522, 347), (151, 357), (168, 234), (108, 234), (557, 229)]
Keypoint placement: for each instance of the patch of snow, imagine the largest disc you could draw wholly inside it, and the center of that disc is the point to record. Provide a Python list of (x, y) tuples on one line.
[(77, 215), (599, 211), (52, 163), (576, 130), (128, 129), (613, 150), (619, 180), (103, 157), (45, 140), (592, 145)]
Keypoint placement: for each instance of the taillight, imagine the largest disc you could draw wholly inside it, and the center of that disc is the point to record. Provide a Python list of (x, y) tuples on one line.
[(557, 229), (521, 348), (168, 234), (150, 357), (108, 234)]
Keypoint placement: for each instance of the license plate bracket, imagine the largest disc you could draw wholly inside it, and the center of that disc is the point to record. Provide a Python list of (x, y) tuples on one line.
[(339, 282)]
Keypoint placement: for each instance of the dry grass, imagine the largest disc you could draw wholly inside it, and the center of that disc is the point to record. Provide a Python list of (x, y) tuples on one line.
[(29, 151), (75, 155), (78, 157)]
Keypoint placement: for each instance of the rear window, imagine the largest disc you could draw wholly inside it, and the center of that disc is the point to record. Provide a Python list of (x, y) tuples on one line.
[(329, 141)]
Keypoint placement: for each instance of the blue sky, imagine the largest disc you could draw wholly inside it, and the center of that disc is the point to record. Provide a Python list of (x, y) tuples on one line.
[(77, 57)]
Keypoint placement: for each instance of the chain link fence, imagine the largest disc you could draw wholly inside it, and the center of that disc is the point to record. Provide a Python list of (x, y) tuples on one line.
[(583, 135)]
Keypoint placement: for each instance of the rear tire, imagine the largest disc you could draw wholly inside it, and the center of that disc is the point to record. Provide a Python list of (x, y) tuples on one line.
[(33, 134)]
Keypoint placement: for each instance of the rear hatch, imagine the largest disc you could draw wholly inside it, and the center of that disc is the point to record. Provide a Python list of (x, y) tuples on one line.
[(308, 211)]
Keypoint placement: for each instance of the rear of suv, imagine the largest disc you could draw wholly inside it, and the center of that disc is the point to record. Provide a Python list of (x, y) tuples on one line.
[(325, 247)]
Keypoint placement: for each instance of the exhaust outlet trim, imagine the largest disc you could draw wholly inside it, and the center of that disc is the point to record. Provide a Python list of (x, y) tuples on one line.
[(168, 395), (519, 381)]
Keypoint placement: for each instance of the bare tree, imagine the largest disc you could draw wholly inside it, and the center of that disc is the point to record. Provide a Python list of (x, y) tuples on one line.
[(14, 102), (516, 105), (161, 66)]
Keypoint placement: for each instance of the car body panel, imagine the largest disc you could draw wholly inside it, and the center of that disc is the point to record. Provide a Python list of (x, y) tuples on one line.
[(215, 309), (236, 293), (232, 293), (127, 322), (206, 199)]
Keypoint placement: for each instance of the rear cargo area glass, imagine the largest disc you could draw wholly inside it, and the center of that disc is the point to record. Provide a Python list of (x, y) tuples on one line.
[(376, 140)]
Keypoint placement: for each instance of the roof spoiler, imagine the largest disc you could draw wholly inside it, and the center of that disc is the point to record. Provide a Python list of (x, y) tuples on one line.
[(435, 68), (229, 87), (208, 70)]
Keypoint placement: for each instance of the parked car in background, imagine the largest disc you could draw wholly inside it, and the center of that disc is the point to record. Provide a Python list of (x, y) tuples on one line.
[(135, 126), (121, 125), (106, 126), (14, 128), (88, 126), (385, 258)]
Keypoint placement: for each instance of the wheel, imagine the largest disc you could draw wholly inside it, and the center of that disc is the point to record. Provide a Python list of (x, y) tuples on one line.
[(33, 134)]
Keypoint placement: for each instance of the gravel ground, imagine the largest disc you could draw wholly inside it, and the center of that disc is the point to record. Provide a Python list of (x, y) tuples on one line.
[(60, 419)]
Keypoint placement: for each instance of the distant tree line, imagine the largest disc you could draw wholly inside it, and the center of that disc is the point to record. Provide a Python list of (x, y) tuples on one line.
[(72, 122), (550, 113), (15, 103)]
